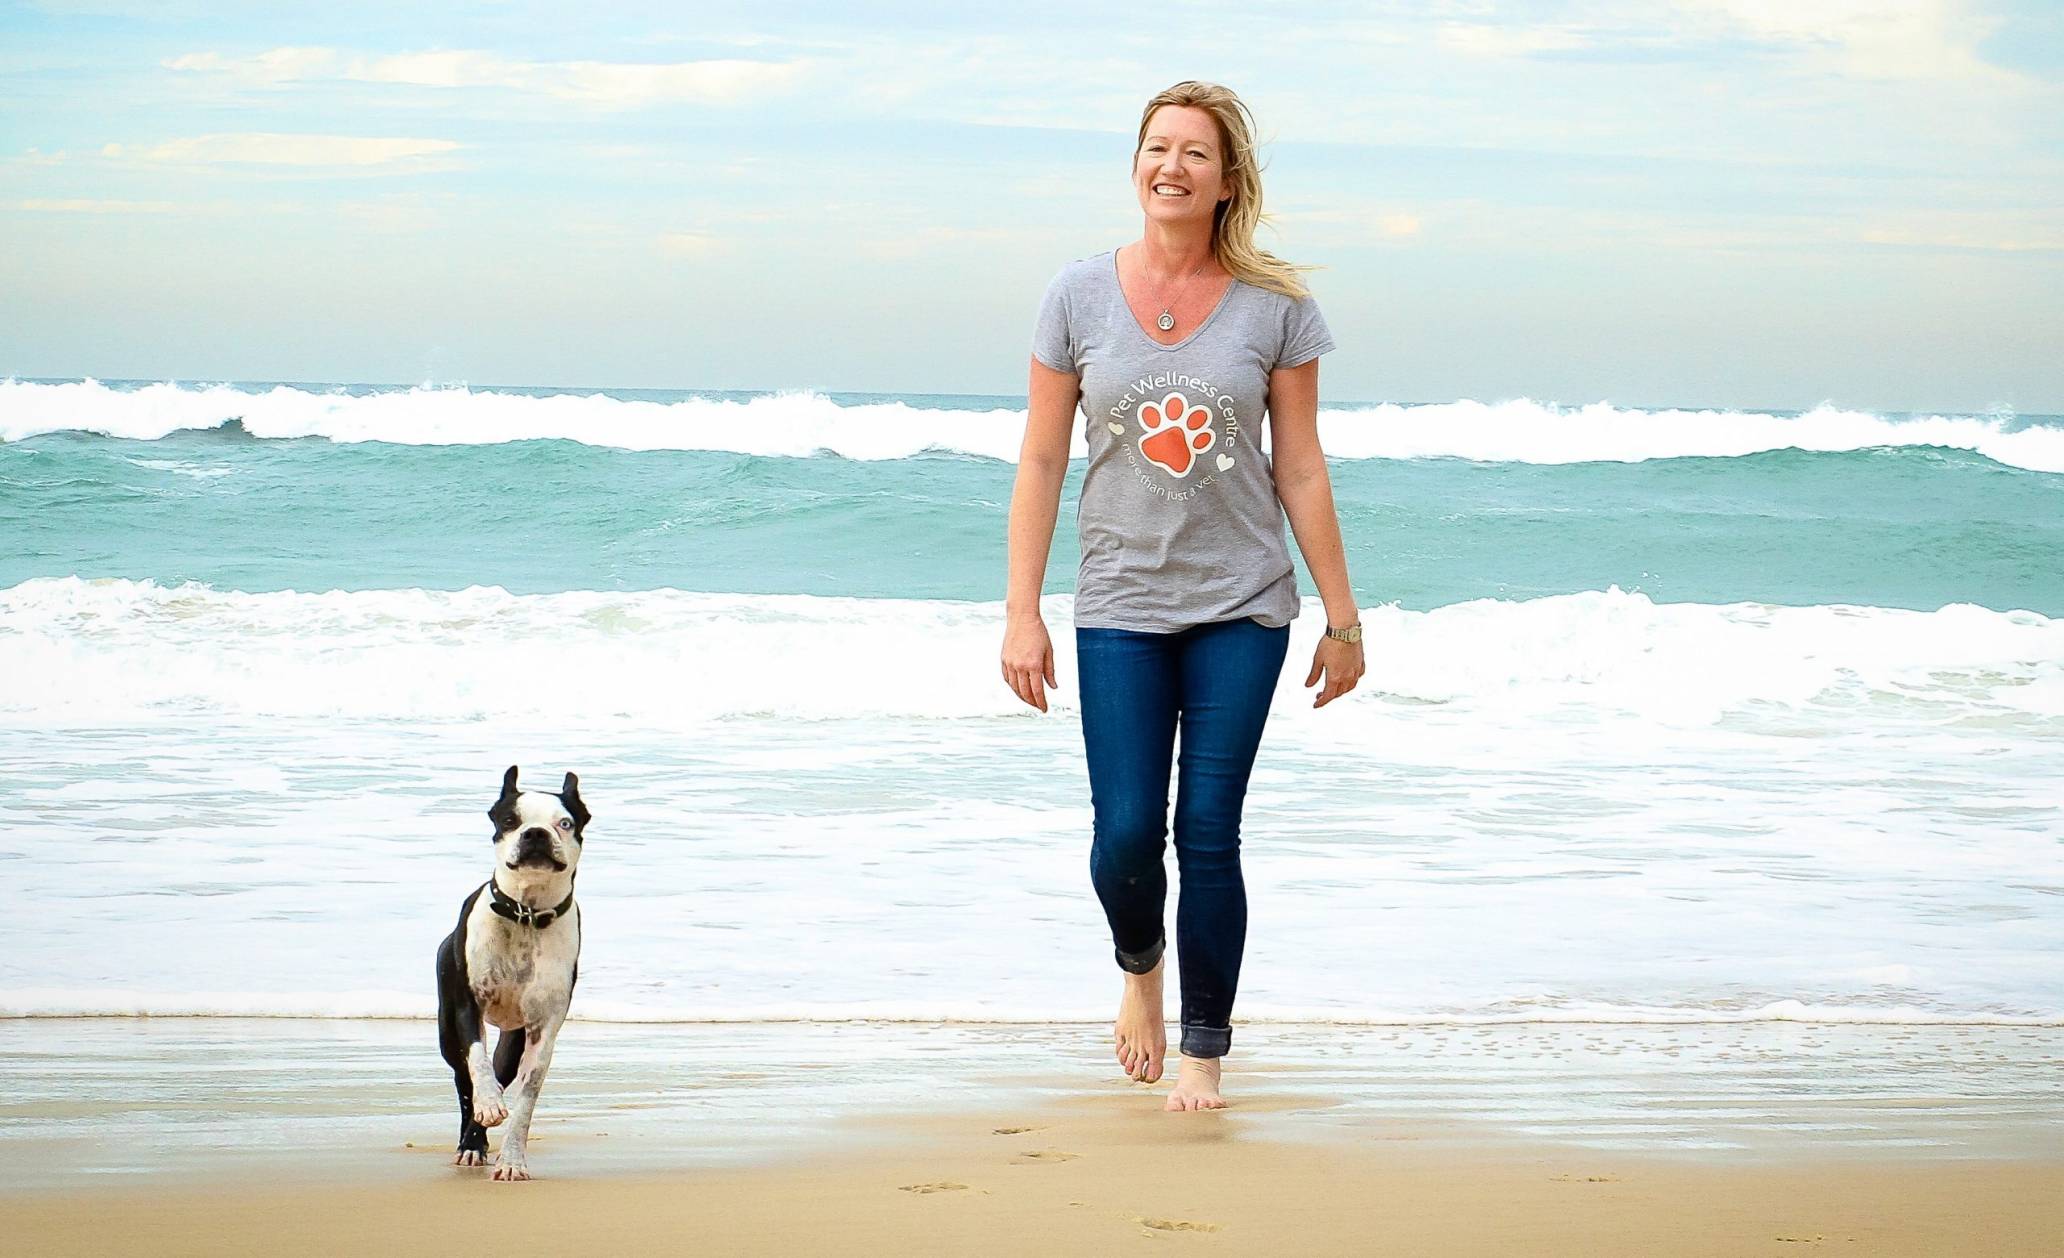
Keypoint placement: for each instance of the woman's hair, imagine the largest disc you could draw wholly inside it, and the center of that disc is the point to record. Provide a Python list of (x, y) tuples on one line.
[(1234, 221)]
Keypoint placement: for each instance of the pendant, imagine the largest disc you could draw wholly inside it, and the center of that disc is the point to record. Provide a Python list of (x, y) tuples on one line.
[(1165, 322)]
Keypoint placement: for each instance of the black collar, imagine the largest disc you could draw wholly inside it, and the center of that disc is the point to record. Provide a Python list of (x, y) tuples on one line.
[(522, 914)]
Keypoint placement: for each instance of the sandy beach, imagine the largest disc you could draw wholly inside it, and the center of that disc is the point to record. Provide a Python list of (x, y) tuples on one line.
[(233, 1136), (1060, 1180)]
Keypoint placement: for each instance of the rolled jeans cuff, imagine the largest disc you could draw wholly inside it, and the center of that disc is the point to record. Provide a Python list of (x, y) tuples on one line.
[(1206, 1041), (1141, 962)]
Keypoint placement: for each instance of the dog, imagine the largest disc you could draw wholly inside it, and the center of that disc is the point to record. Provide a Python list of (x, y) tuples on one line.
[(511, 963)]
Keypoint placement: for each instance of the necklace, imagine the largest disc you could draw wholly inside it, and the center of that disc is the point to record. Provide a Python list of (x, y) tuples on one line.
[(1167, 321)]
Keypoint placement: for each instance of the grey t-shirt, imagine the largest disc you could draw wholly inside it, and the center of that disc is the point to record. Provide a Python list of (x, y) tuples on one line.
[(1179, 517)]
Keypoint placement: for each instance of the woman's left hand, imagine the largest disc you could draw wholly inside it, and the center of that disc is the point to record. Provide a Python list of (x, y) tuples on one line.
[(1340, 664)]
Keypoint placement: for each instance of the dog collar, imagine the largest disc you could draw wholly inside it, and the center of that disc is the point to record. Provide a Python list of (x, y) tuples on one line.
[(506, 905)]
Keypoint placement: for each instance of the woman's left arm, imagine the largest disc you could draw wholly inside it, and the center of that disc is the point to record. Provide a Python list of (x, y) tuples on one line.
[(1307, 494)]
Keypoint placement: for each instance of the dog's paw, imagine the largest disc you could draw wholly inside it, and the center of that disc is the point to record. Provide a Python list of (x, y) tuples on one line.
[(470, 1157), (489, 1109), (510, 1172)]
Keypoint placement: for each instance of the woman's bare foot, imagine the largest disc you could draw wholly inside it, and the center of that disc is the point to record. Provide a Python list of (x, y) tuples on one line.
[(1141, 1031), (1196, 1085)]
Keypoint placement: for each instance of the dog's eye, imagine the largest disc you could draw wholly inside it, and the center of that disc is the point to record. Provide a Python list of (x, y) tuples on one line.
[(566, 823)]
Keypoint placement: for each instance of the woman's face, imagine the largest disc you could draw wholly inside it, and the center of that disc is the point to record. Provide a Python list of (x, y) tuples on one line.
[(1179, 171)]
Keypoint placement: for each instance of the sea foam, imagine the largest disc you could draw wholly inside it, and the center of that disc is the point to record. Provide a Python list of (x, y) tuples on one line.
[(803, 424), (117, 650)]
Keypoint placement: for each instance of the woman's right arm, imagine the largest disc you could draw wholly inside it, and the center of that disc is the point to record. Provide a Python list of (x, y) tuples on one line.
[(1028, 663)]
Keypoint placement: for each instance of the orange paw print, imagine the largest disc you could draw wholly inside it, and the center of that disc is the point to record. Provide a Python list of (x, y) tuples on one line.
[(1177, 431)]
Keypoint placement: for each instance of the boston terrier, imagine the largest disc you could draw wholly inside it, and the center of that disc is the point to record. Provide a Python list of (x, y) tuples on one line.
[(511, 963)]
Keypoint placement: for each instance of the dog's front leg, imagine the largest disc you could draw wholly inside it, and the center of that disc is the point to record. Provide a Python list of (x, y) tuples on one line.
[(489, 1107), (460, 1039), (512, 1163)]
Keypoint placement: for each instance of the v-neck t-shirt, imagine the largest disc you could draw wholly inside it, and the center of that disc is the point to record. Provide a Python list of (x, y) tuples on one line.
[(1179, 520)]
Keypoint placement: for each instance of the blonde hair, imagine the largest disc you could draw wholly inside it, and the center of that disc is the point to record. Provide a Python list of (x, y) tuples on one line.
[(1233, 223)]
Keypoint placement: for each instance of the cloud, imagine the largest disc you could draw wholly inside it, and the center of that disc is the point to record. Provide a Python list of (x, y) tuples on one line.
[(276, 149), (1484, 40), (280, 65), (1351, 226), (609, 84), (391, 214), (903, 245), (1878, 40), (89, 205), (1866, 39), (1979, 231), (708, 82), (687, 245)]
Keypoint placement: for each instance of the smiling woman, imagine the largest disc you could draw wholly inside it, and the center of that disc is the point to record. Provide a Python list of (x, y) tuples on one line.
[(1178, 348)]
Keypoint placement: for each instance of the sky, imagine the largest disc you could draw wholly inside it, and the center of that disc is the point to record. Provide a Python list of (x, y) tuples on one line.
[(1730, 203)]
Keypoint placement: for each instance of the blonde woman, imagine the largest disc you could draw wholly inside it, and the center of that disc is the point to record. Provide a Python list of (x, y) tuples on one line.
[(1177, 348)]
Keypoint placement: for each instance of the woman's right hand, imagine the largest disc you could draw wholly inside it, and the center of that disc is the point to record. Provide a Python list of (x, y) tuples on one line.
[(1028, 663), (1028, 660)]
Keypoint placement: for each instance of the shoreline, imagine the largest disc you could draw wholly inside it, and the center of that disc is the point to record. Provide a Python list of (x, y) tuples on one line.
[(253, 1136), (108, 1100), (1095, 1175)]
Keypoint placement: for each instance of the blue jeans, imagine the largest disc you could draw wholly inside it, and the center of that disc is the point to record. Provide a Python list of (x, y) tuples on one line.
[(1213, 683)]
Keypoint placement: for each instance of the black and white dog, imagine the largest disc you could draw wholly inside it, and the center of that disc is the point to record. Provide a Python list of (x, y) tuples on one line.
[(511, 963)]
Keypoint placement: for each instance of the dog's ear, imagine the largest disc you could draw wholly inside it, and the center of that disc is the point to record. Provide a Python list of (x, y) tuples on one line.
[(503, 811), (569, 794)]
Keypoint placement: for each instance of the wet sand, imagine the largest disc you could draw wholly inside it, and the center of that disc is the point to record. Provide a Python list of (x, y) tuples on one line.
[(229, 1136)]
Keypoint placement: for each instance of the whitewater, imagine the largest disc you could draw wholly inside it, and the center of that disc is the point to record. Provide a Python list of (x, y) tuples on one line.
[(804, 423), (1672, 715)]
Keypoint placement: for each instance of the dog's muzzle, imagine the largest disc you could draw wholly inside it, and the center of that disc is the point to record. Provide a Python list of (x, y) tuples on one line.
[(534, 847)]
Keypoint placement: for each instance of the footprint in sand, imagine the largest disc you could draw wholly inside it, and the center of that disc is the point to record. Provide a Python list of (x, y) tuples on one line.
[(1045, 1155), (1014, 1131), (941, 1186), (1802, 1240), (1176, 1225), (1585, 1179)]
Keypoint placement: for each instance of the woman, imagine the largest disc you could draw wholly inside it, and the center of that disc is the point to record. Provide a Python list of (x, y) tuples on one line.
[(1175, 346)]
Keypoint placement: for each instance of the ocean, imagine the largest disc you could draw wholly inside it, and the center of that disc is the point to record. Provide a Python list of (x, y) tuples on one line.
[(1671, 716)]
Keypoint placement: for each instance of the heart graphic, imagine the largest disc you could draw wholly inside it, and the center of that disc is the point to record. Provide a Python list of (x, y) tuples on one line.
[(1117, 429), (1224, 461)]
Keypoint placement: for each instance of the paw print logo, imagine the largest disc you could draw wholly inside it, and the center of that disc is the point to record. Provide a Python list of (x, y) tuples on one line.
[(1177, 431)]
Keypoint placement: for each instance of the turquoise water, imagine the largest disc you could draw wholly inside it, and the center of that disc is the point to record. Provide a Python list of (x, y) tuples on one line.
[(1910, 527)]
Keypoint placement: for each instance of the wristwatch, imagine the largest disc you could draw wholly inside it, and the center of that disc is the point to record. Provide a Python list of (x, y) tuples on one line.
[(1353, 633)]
